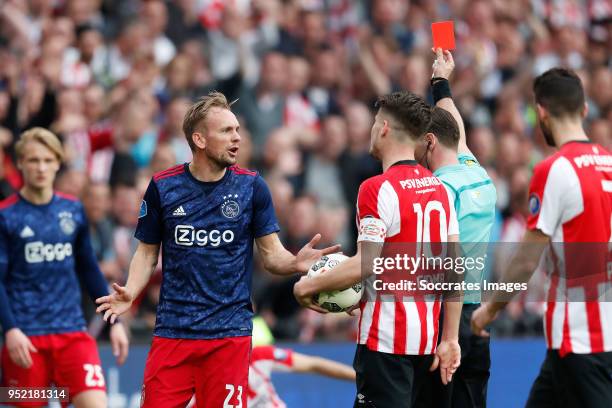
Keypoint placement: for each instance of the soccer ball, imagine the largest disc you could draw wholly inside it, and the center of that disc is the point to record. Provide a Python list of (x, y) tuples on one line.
[(335, 301)]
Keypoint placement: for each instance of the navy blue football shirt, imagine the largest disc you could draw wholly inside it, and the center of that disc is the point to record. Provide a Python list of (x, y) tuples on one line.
[(206, 231), (42, 248)]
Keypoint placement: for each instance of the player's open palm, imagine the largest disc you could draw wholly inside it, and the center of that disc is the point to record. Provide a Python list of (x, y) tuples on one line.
[(19, 348), (448, 358), (309, 255), (114, 304)]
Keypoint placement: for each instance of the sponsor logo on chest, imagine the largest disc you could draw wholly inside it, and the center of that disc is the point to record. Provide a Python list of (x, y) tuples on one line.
[(188, 235), (420, 182), (38, 251)]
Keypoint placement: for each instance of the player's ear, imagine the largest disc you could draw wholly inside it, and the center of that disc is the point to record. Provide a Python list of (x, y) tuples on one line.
[(541, 111), (385, 128), (199, 140), (585, 110), (430, 140)]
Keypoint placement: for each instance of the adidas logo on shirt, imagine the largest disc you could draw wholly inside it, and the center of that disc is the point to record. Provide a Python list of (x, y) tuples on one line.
[(26, 232), (179, 212)]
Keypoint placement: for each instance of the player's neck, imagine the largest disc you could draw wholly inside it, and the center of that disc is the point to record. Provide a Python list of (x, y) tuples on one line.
[(396, 154), (566, 131), (37, 196), (206, 171), (446, 158)]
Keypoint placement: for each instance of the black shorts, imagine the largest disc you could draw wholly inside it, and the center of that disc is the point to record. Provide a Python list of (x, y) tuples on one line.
[(576, 380), (388, 380), (469, 385)]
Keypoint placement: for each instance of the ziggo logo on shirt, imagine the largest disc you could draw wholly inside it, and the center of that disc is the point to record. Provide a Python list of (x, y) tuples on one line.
[(38, 251), (187, 235)]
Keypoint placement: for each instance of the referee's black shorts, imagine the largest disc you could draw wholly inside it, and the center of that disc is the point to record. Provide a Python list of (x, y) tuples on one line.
[(388, 380), (573, 381), (468, 389)]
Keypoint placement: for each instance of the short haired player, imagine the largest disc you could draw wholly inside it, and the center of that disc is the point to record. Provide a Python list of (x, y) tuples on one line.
[(570, 205), (397, 342), (44, 245), (444, 151), (204, 216)]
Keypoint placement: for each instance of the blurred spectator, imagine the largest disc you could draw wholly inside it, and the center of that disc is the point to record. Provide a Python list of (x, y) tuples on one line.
[(97, 202), (356, 164), (387, 19), (601, 132), (125, 205), (154, 14), (133, 39), (263, 106), (183, 22), (302, 223), (5, 186), (322, 169), (163, 158), (299, 112), (414, 75), (327, 74), (71, 181), (172, 130), (482, 143)]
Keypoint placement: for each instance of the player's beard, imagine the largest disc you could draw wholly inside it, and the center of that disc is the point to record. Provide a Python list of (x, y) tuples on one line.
[(548, 136), (222, 160)]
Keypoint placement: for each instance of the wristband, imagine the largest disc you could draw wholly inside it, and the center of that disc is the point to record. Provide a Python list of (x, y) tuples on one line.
[(440, 89)]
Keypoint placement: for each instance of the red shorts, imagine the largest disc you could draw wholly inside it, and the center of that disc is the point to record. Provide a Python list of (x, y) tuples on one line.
[(67, 360), (215, 370)]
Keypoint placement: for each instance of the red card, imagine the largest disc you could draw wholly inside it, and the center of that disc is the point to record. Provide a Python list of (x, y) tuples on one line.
[(443, 35)]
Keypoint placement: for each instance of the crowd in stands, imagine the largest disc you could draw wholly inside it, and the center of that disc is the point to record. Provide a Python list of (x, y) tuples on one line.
[(114, 78)]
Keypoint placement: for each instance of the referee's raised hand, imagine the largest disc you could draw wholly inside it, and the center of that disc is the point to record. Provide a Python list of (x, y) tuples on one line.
[(444, 64)]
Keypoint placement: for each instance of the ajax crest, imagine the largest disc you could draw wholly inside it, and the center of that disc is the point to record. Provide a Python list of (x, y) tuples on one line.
[(230, 208), (67, 224)]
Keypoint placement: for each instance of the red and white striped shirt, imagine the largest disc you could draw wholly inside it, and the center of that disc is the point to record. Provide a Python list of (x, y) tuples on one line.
[(264, 360), (406, 204), (570, 200)]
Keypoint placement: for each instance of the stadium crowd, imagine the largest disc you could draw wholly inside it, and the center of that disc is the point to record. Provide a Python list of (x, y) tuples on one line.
[(115, 78)]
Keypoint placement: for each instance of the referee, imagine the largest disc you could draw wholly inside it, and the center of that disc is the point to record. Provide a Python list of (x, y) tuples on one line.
[(444, 151)]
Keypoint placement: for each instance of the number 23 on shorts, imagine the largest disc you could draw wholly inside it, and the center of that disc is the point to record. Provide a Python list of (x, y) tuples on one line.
[(231, 390), (93, 375)]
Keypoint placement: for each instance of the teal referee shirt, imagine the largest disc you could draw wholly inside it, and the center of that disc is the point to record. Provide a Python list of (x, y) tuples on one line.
[(474, 197)]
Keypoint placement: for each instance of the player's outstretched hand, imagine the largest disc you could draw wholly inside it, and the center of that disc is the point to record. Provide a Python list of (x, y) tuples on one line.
[(481, 319), (448, 358), (19, 347), (114, 304), (309, 255), (119, 342), (444, 64), (303, 298)]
